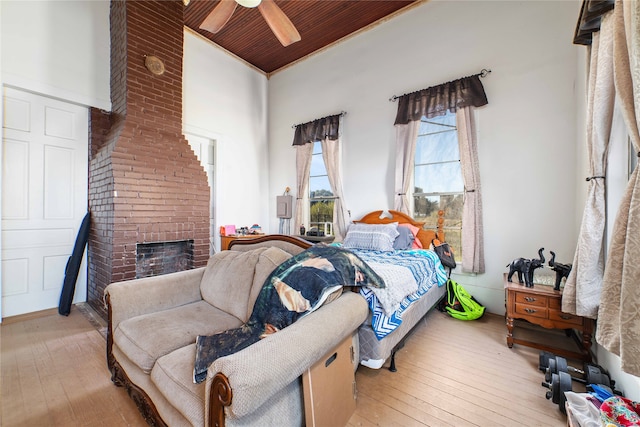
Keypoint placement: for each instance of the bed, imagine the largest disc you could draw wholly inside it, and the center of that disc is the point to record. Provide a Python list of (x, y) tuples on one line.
[(381, 334), (384, 332)]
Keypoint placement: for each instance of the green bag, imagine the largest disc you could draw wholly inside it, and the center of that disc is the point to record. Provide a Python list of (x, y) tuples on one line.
[(460, 304)]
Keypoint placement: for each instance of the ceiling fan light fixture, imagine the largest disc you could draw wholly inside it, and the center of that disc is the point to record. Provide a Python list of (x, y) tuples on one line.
[(281, 26), (248, 3)]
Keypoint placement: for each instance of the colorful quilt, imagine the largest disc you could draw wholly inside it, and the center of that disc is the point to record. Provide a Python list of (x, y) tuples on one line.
[(426, 269), (294, 289)]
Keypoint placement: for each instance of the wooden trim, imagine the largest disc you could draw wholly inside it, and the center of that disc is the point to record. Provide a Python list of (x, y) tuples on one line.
[(111, 360), (375, 217), (28, 316), (220, 395), (270, 237)]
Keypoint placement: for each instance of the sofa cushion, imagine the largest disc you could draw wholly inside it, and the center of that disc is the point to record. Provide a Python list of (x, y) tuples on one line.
[(233, 279), (227, 280), (144, 339), (268, 261), (173, 376)]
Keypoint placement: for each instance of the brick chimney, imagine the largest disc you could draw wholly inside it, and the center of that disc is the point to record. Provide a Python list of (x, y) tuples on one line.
[(145, 183)]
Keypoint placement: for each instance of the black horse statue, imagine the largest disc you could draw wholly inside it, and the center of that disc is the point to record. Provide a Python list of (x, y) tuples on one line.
[(525, 267), (562, 270)]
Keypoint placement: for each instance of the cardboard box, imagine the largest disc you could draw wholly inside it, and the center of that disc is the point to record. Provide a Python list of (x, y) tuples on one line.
[(330, 388)]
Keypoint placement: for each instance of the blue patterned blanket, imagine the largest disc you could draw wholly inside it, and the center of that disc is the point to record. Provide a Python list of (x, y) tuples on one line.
[(426, 269)]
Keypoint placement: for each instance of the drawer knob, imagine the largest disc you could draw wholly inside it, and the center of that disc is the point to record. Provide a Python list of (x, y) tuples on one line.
[(530, 299), (530, 310), (566, 316)]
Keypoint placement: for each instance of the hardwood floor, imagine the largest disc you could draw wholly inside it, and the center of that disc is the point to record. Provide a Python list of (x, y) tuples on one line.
[(450, 372), (54, 373), (456, 373)]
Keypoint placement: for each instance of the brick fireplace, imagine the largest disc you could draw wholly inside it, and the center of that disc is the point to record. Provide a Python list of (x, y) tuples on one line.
[(153, 259), (146, 186)]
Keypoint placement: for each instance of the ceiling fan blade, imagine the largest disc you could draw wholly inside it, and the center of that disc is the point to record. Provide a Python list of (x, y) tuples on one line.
[(281, 26), (219, 16)]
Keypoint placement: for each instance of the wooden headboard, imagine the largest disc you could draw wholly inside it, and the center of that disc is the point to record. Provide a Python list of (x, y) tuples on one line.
[(425, 236)]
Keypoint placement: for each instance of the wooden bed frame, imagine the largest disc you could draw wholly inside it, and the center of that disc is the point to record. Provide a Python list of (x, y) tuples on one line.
[(425, 236)]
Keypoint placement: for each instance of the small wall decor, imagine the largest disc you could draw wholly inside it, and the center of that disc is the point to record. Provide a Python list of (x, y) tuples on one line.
[(525, 267), (154, 64), (562, 270)]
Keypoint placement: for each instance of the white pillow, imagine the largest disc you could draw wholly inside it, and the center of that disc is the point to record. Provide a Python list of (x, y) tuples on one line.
[(378, 237)]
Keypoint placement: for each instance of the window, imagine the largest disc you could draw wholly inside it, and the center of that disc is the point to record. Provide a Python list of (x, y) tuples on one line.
[(438, 183), (321, 198)]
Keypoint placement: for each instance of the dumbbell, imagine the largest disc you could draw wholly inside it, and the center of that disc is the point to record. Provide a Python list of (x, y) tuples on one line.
[(558, 384), (543, 360), (592, 374), (561, 383)]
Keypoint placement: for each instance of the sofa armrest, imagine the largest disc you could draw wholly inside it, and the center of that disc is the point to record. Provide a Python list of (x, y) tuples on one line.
[(133, 298), (266, 367)]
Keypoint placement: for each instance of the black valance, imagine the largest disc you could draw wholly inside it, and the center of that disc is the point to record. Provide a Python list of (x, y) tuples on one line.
[(590, 18), (317, 130), (437, 100)]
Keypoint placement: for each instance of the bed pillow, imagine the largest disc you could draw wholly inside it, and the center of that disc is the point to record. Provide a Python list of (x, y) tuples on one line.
[(417, 243), (404, 240), (377, 237)]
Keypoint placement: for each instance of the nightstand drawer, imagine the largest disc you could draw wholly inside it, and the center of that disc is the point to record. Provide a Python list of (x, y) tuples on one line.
[(565, 317), (531, 310), (555, 303), (528, 299)]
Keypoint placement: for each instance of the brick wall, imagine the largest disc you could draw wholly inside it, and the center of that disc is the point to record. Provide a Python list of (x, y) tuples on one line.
[(145, 183)]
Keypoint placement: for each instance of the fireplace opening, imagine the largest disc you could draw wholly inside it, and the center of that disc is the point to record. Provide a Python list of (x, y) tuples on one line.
[(154, 259)]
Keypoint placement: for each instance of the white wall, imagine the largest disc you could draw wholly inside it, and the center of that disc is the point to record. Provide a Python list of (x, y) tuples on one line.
[(527, 132), (226, 100), (58, 48)]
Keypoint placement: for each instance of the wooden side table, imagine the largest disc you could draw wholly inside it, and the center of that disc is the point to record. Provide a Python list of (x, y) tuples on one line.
[(225, 240), (541, 305)]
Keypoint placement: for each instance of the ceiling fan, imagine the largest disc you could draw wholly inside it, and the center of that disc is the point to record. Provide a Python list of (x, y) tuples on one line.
[(279, 23)]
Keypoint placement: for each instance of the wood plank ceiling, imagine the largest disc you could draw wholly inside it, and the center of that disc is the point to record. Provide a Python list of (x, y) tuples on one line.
[(319, 22)]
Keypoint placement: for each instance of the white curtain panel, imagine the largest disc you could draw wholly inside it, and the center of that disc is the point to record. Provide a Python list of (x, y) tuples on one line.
[(472, 228), (406, 137), (331, 157), (619, 314), (303, 166), (581, 295)]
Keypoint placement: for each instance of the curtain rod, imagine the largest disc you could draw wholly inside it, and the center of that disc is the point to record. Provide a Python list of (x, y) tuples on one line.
[(342, 113), (483, 73)]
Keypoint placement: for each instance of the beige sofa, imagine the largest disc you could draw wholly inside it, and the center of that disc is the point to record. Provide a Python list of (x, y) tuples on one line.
[(153, 324)]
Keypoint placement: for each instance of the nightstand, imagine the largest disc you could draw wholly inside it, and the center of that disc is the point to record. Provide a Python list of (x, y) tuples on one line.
[(541, 305)]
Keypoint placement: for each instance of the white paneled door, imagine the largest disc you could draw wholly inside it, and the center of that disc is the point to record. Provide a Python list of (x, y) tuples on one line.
[(44, 198)]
